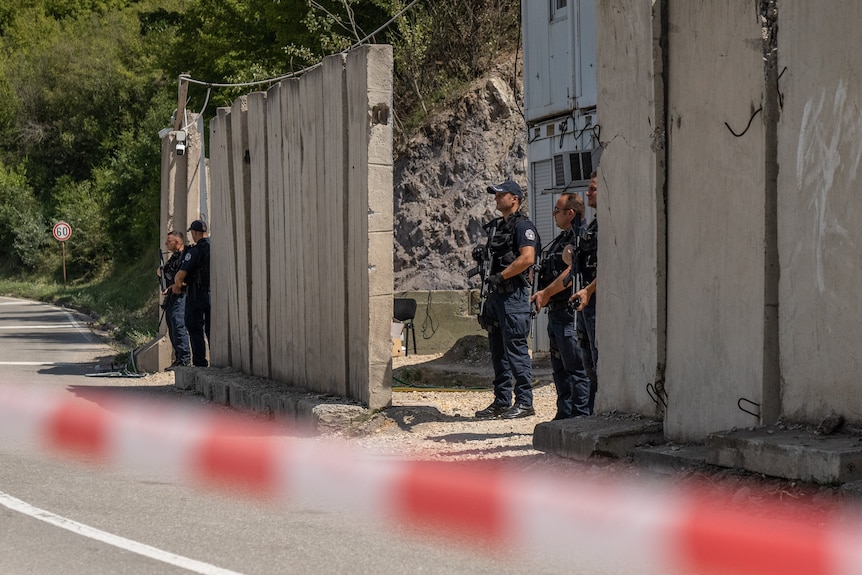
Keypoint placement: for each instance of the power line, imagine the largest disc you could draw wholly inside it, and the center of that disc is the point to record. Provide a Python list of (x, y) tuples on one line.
[(304, 70)]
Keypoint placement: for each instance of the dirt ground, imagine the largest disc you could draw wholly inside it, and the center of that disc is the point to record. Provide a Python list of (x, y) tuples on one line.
[(439, 422)]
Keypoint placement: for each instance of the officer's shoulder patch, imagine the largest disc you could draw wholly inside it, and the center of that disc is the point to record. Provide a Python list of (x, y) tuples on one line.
[(188, 256), (530, 235)]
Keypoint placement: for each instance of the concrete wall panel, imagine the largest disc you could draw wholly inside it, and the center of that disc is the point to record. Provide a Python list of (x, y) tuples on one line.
[(358, 314), (166, 209), (302, 258), (630, 313), (276, 240), (334, 194), (715, 216), (819, 154), (259, 234), (189, 209), (294, 327), (223, 245), (240, 331), (311, 94)]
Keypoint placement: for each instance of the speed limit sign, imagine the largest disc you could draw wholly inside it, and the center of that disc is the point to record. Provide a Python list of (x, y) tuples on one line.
[(62, 231)]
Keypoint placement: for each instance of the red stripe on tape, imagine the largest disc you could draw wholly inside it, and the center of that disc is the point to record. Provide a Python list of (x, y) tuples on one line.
[(78, 427), (722, 541), (453, 499), (248, 463)]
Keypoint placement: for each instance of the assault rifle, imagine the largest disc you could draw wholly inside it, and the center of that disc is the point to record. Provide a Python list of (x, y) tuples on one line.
[(575, 274), (162, 281), (484, 259), (538, 269)]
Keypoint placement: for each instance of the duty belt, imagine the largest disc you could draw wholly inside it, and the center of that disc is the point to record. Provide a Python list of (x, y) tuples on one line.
[(555, 305), (509, 285)]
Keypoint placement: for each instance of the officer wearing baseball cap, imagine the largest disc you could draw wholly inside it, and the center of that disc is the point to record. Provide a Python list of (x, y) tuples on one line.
[(198, 226), (513, 243), (195, 273)]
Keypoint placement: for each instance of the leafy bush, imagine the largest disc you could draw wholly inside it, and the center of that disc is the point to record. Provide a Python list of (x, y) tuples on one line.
[(22, 225)]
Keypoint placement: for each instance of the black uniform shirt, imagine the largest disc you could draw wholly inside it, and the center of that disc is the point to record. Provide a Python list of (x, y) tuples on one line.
[(196, 265)]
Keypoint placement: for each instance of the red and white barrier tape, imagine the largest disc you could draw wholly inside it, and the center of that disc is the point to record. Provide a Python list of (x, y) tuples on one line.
[(564, 520)]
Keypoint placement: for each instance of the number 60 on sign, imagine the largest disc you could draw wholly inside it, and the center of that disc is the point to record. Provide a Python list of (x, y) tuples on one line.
[(62, 231)]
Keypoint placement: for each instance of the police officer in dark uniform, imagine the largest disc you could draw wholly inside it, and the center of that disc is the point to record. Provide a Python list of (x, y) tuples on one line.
[(195, 274), (570, 379), (175, 304), (586, 265), (513, 247)]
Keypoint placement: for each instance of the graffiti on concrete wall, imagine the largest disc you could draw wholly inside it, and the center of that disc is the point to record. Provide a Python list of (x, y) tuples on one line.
[(830, 140)]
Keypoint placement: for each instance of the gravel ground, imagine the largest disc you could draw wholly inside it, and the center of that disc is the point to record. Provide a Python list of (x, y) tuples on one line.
[(440, 423)]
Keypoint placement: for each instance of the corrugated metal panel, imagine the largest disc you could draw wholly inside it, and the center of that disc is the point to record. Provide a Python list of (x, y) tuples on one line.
[(559, 57), (537, 61), (585, 48)]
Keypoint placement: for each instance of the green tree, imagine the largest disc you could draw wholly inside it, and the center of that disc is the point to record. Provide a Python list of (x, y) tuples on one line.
[(23, 229)]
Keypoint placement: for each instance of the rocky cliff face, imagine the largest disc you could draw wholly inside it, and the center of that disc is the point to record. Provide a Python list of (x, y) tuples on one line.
[(441, 176)]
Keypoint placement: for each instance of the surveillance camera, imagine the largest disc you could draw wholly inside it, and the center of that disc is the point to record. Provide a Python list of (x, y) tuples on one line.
[(181, 149)]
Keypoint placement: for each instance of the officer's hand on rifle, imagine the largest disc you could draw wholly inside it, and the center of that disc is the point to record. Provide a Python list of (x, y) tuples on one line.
[(478, 254), (494, 281), (539, 300), (580, 299), (568, 251)]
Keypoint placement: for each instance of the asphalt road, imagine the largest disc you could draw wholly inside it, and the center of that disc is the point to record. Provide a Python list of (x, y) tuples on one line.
[(63, 516)]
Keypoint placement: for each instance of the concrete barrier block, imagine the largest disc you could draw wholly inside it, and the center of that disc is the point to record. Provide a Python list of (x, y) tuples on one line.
[(612, 435), (185, 377), (789, 453), (154, 356)]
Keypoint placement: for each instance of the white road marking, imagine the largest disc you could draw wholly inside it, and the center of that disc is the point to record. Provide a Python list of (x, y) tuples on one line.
[(55, 363), (26, 327), (121, 542)]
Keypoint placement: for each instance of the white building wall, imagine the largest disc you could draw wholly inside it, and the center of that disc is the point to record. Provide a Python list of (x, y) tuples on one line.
[(559, 57), (560, 98)]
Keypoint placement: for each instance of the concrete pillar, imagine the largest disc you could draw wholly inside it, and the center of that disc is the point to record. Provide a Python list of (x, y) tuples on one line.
[(222, 243), (631, 293), (716, 214), (370, 223)]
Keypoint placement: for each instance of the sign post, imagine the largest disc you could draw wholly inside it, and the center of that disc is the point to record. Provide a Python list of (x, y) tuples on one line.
[(62, 232)]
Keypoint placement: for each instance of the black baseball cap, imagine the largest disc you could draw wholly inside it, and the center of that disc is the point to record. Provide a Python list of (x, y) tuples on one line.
[(198, 226), (507, 187)]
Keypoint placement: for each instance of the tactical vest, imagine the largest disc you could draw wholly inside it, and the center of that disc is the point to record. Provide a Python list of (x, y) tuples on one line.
[(504, 250), (588, 249), (552, 265), (172, 266)]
